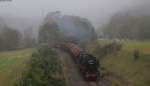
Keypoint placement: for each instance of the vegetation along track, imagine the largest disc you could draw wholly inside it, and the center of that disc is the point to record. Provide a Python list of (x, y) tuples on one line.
[(74, 76)]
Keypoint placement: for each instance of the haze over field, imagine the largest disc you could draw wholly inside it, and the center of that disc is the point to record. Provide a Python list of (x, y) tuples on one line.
[(97, 11)]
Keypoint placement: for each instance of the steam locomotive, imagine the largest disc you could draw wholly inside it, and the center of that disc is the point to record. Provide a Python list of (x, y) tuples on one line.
[(86, 63)]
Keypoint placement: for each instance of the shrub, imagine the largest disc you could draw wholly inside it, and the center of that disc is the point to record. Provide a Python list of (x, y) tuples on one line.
[(44, 67), (101, 51)]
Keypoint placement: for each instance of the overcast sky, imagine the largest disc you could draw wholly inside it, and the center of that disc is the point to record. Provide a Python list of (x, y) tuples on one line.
[(91, 9)]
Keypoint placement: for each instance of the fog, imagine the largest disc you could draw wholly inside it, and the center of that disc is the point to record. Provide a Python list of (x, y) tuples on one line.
[(74, 42), (97, 11)]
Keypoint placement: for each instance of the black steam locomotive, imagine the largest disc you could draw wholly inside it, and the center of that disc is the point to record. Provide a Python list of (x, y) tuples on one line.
[(87, 64)]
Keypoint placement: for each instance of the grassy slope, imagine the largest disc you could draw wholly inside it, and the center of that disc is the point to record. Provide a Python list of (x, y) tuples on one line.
[(123, 64), (12, 63)]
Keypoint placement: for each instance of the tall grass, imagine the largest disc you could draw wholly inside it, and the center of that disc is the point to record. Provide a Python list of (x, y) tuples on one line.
[(122, 64)]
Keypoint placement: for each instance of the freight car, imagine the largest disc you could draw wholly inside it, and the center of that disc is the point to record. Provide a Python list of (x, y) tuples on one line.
[(87, 64)]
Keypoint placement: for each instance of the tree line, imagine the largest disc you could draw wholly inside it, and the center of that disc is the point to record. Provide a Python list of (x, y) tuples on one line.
[(55, 28), (11, 39), (59, 28), (127, 26)]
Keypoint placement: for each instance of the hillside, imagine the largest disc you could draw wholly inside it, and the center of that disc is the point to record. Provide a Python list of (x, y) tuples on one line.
[(121, 68), (123, 65)]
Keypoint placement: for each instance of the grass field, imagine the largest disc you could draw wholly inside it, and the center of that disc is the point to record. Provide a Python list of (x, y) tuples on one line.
[(12, 64), (136, 72)]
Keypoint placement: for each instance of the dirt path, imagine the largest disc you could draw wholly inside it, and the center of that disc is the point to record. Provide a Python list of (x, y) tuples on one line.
[(74, 75)]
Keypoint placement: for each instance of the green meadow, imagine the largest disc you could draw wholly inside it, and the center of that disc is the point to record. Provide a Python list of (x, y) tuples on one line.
[(12, 64)]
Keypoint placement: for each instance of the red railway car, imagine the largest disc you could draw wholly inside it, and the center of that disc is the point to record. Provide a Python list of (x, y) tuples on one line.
[(87, 64), (73, 49)]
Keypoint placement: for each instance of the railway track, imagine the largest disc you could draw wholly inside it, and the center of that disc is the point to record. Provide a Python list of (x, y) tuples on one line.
[(74, 75), (93, 84), (76, 78), (99, 83)]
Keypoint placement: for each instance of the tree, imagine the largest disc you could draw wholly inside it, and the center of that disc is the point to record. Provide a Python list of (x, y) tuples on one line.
[(66, 28), (48, 33)]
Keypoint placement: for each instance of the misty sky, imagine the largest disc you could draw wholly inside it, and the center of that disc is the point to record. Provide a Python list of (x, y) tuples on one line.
[(91, 9)]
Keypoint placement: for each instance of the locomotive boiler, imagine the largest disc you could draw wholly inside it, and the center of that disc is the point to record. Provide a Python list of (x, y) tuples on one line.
[(86, 63)]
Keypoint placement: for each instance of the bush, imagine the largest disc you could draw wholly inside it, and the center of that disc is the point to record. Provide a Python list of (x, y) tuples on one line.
[(102, 50), (112, 48), (44, 67)]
